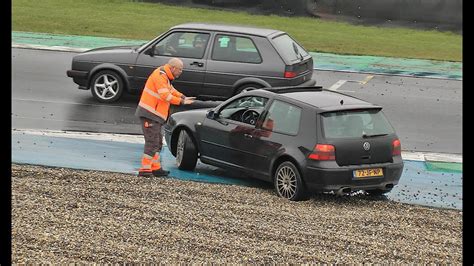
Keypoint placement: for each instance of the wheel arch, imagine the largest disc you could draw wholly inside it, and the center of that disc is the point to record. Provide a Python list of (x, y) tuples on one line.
[(111, 67), (175, 136), (247, 81), (282, 158)]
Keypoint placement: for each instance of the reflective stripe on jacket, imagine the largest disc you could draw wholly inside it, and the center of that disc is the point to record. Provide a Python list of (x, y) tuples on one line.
[(158, 93)]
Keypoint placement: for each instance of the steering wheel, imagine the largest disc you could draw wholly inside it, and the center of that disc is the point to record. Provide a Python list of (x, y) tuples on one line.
[(250, 116)]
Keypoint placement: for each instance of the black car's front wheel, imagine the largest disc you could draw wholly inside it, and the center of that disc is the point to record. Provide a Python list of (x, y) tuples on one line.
[(288, 183), (107, 86), (186, 152)]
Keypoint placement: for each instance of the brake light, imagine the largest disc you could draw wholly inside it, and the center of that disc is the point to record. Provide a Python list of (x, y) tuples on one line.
[(396, 148), (323, 152), (289, 74)]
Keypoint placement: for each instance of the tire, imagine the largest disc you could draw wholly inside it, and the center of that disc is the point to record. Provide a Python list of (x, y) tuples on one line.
[(377, 192), (186, 152), (247, 87), (287, 182), (107, 86)]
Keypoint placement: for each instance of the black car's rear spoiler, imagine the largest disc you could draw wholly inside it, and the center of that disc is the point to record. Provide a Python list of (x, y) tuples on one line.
[(293, 89)]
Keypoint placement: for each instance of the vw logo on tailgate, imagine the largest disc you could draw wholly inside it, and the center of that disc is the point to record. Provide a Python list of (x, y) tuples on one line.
[(366, 146)]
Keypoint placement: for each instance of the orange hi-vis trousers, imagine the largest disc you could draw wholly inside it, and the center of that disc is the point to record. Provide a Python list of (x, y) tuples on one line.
[(150, 163), (153, 144), (146, 163)]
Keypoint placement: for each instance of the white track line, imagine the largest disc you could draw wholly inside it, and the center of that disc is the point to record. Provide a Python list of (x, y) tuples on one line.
[(51, 48), (62, 102), (337, 85), (83, 135)]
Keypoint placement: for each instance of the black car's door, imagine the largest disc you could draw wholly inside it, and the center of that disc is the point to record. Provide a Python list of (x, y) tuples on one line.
[(189, 46), (229, 139), (279, 127)]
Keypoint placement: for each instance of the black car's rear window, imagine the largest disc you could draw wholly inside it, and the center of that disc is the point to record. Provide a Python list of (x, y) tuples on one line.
[(355, 124), (289, 49)]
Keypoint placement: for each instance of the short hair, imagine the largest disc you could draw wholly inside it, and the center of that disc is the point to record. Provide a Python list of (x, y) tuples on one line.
[(175, 62)]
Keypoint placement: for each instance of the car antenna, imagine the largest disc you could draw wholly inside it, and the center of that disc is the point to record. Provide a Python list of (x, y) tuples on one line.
[(341, 102)]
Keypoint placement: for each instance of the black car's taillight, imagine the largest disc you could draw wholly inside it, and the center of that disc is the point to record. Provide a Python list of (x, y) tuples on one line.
[(396, 148), (323, 152)]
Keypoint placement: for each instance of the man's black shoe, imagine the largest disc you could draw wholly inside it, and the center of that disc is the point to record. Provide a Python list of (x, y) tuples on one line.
[(160, 172), (145, 173)]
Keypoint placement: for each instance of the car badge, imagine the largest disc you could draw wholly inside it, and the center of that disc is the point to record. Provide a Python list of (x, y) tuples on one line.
[(366, 146)]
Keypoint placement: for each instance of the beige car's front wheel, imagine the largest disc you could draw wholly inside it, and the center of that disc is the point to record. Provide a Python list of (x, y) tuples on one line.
[(107, 86)]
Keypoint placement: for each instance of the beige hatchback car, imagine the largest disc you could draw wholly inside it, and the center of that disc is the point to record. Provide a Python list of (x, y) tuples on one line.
[(219, 61)]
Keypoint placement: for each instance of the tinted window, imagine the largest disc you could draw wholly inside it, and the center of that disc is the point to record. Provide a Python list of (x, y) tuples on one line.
[(235, 49), (283, 117), (288, 48), (354, 124), (183, 44)]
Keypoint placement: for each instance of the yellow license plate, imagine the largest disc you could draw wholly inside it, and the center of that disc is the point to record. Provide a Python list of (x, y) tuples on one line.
[(368, 172)]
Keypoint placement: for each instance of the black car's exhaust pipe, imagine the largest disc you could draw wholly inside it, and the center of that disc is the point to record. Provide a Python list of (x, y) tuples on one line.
[(343, 190)]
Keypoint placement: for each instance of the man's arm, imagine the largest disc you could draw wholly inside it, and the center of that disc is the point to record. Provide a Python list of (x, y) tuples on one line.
[(176, 93), (165, 93)]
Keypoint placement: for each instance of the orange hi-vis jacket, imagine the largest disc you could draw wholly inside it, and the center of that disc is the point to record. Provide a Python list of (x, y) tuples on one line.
[(158, 93)]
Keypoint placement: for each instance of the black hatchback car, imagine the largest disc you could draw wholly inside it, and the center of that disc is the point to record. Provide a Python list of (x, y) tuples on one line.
[(219, 62), (302, 139)]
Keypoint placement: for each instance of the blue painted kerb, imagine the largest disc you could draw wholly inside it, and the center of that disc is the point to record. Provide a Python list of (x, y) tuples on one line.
[(417, 185)]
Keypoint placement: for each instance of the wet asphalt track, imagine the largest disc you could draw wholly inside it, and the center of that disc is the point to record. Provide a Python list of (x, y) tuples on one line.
[(426, 112)]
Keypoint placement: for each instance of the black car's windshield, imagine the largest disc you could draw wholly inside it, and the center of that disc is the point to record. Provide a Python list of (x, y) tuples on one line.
[(289, 49), (356, 124)]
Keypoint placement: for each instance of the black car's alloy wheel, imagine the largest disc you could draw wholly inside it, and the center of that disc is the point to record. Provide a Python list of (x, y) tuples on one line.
[(288, 183), (186, 153), (107, 86)]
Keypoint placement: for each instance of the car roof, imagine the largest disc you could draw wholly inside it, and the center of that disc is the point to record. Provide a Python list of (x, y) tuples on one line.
[(229, 28), (324, 100)]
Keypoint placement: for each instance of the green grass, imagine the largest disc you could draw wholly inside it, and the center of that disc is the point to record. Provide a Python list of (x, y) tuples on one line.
[(143, 21)]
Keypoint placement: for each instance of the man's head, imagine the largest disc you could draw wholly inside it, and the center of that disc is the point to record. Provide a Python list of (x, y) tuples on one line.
[(176, 66)]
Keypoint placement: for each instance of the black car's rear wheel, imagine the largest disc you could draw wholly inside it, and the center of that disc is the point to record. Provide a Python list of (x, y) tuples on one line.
[(107, 86), (186, 152), (288, 183)]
